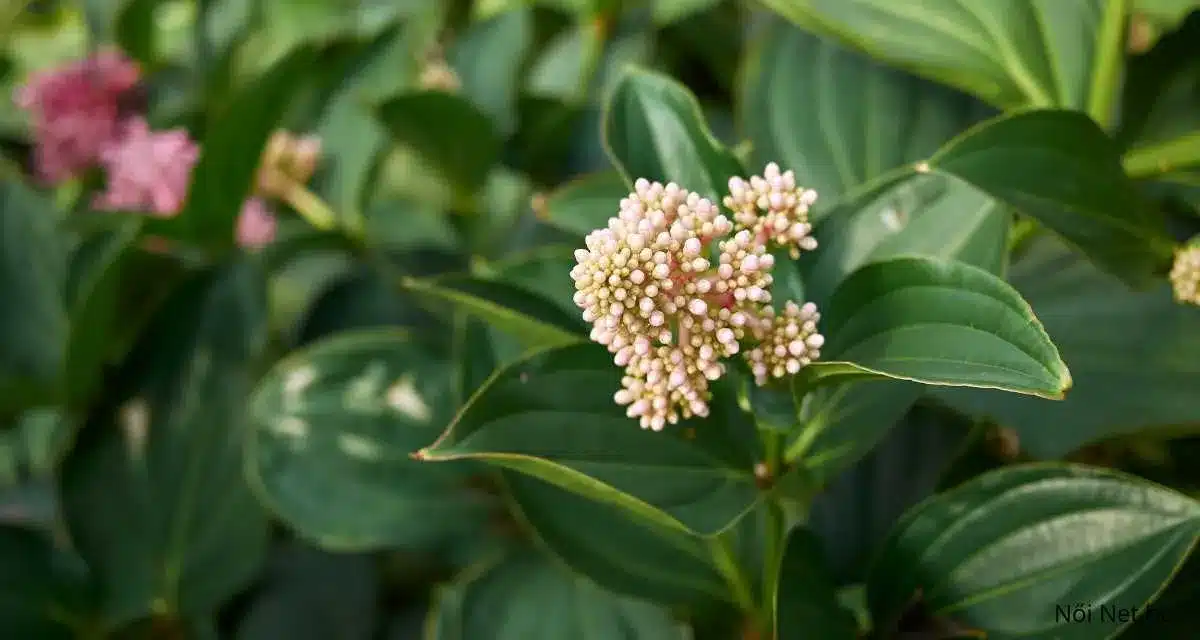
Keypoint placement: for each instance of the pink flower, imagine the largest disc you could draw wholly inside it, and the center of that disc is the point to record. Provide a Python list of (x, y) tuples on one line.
[(147, 170), (256, 224), (76, 111)]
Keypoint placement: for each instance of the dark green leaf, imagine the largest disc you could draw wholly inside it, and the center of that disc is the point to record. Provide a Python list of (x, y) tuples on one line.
[(586, 204), (334, 425), (153, 490), (45, 591), (552, 416), (654, 129), (527, 597), (446, 131), (1133, 357), (806, 604), (1061, 169), (1008, 552), (487, 58)]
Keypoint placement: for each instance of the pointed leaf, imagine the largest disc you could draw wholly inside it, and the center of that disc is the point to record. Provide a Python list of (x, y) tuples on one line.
[(552, 416), (333, 427), (654, 129), (1038, 539)]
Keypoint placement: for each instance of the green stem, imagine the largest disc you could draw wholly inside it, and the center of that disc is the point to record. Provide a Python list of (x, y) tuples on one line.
[(777, 530), (727, 563), (312, 208), (1158, 159), (1110, 53)]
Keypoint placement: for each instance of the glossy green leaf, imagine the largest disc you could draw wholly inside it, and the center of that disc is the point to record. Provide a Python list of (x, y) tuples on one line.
[(229, 156), (45, 590), (528, 597), (333, 427), (152, 490), (528, 317), (654, 129), (806, 604), (33, 321), (487, 58), (1133, 357), (586, 204), (1035, 539), (939, 322), (1010, 53), (1061, 169), (446, 131), (619, 550), (552, 416), (837, 118)]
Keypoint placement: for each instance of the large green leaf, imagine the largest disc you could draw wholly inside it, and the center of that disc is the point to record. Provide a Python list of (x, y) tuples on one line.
[(806, 604), (33, 320), (45, 589), (837, 118), (1010, 53), (1036, 540), (1122, 384), (530, 318), (552, 416), (153, 491), (619, 550), (334, 425), (229, 157), (528, 597), (654, 129), (937, 322)]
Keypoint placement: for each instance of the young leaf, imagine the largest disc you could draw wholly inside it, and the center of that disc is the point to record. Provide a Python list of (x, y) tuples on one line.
[(528, 317), (837, 118), (332, 427), (152, 490), (452, 135), (937, 322), (806, 604), (585, 204), (1012, 53), (1036, 539), (654, 129), (33, 322), (229, 156), (528, 597), (552, 416), (1061, 169), (1122, 384)]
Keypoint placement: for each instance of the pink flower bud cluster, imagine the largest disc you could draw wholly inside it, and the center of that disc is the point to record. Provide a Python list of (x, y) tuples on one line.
[(672, 287), (76, 112)]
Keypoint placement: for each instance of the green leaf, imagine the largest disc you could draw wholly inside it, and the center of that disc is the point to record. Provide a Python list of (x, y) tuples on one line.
[(586, 204), (229, 156), (312, 595), (654, 129), (1035, 539), (487, 58), (153, 492), (1133, 357), (533, 320), (806, 603), (1161, 16), (1011, 53), (837, 118), (621, 551), (552, 416), (527, 597), (1061, 169), (333, 427), (453, 136), (937, 322), (665, 12), (45, 590), (33, 321)]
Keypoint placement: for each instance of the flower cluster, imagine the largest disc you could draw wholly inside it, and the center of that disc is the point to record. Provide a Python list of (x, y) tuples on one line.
[(1185, 274), (672, 287), (81, 120)]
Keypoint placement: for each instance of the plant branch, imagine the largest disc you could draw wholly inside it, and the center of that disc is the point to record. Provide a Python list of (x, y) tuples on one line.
[(1165, 157)]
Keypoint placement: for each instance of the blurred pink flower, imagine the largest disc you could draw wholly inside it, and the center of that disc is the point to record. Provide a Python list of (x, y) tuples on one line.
[(76, 111), (256, 224), (147, 170)]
